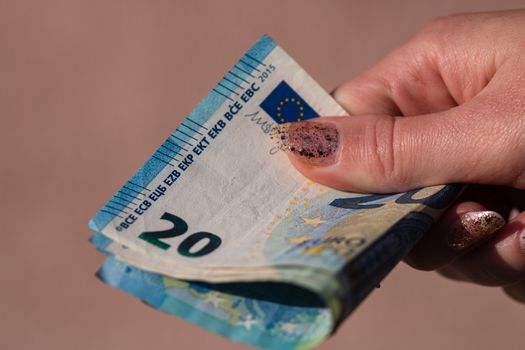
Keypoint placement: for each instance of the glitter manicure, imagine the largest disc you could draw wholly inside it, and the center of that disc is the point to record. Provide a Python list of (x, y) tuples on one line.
[(474, 227), (315, 142)]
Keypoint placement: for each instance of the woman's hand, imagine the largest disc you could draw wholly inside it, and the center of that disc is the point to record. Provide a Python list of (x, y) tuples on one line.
[(459, 86)]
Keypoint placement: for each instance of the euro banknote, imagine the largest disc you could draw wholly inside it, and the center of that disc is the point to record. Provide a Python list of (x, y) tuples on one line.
[(234, 238)]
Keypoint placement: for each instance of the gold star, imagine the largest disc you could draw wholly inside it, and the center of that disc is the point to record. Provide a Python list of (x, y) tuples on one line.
[(298, 240), (313, 221), (286, 99), (314, 250), (293, 99)]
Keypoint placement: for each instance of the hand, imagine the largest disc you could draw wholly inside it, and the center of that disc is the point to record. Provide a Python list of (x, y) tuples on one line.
[(459, 86)]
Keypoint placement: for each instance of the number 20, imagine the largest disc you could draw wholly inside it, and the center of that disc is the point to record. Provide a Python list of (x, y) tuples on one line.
[(179, 228)]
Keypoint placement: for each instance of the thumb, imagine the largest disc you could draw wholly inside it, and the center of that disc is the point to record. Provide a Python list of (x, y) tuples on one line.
[(381, 154)]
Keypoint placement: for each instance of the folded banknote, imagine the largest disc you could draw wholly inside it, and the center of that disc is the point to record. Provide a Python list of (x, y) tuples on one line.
[(218, 228)]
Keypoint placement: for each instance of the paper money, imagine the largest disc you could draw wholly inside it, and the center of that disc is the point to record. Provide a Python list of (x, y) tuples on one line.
[(218, 228)]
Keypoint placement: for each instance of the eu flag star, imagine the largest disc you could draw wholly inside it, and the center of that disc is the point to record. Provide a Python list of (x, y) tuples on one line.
[(285, 105)]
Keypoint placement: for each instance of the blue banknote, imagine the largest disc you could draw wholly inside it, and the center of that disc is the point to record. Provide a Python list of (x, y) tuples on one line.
[(219, 229)]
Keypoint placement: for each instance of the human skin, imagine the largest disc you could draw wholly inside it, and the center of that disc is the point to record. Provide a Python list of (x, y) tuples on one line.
[(446, 107)]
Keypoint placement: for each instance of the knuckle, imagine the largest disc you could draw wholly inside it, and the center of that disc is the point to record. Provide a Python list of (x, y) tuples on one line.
[(382, 155), (439, 25), (447, 23), (441, 31)]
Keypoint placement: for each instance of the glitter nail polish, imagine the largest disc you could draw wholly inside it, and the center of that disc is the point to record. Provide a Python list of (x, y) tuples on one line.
[(474, 227), (314, 142)]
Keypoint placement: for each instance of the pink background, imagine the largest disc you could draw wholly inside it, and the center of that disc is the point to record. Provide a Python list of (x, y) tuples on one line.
[(88, 89)]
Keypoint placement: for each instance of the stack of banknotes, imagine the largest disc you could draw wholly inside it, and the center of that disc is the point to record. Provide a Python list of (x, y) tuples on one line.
[(219, 229)]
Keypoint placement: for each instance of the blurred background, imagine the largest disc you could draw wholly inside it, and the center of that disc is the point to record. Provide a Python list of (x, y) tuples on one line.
[(89, 89)]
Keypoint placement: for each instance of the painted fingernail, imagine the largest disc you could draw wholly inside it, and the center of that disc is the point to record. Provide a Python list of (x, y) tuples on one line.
[(314, 142), (474, 227)]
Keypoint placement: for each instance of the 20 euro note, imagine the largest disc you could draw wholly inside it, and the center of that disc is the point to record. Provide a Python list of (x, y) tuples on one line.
[(219, 205)]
